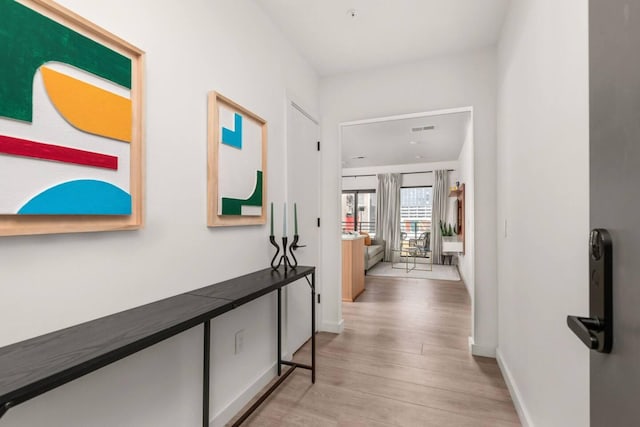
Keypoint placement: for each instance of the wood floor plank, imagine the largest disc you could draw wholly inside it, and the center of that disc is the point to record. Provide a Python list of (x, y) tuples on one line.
[(468, 366), (438, 398), (323, 400), (464, 384), (402, 360)]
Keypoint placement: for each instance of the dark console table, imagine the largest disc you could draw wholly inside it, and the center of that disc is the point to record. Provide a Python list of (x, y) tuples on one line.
[(35, 366)]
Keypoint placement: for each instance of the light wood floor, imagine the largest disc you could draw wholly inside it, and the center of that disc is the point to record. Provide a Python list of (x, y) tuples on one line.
[(402, 360)]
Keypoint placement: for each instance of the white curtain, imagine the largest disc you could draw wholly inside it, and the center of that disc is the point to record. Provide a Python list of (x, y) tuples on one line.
[(438, 212), (388, 212)]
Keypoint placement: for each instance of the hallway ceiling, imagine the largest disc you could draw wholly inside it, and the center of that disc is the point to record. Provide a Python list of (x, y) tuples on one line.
[(384, 32), (394, 142)]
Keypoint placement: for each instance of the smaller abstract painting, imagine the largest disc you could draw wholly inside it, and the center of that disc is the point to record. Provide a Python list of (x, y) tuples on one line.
[(237, 160)]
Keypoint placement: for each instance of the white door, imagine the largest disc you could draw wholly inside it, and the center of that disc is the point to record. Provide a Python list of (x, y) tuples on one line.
[(303, 161)]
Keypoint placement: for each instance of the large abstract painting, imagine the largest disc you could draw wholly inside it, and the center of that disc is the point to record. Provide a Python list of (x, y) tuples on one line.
[(70, 123), (237, 164)]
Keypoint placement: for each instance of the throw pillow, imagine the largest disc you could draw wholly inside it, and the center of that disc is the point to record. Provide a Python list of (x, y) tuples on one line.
[(367, 238)]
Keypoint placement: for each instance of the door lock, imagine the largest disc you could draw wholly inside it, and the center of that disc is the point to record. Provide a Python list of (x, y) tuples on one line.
[(596, 331)]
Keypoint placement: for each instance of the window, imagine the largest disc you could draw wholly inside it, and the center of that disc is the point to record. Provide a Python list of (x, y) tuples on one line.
[(415, 212), (359, 211)]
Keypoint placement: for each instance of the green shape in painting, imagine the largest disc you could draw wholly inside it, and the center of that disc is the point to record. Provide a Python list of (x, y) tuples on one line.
[(234, 206), (29, 39)]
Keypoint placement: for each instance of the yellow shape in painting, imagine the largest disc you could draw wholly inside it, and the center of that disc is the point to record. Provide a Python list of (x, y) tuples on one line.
[(88, 107)]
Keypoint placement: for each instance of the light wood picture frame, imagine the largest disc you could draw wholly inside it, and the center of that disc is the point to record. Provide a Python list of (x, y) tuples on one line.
[(236, 164), (71, 123)]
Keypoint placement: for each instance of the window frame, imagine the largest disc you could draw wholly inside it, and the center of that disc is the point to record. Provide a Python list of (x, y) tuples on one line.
[(355, 201), (415, 186)]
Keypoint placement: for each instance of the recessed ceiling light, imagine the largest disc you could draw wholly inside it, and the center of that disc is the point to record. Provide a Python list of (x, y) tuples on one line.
[(422, 128), (418, 156), (413, 142), (352, 13)]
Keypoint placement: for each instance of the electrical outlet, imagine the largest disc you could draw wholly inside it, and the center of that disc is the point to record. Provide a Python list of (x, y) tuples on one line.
[(239, 341)]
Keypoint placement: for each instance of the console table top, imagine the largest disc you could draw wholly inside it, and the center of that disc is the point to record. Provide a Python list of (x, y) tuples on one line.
[(37, 365)]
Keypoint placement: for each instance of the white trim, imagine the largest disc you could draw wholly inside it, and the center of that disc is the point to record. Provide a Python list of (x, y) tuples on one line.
[(476, 350), (304, 112), (319, 262), (481, 350), (466, 285), (223, 416), (335, 328), (472, 245), (518, 402)]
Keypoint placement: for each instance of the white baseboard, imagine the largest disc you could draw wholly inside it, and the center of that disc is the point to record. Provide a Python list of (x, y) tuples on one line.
[(525, 418), (481, 350), (466, 283), (228, 412), (335, 328)]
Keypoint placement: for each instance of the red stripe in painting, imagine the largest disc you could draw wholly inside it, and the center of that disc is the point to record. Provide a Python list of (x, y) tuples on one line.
[(38, 150)]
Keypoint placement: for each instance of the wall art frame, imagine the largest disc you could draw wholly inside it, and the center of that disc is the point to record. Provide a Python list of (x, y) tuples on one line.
[(236, 164), (71, 123)]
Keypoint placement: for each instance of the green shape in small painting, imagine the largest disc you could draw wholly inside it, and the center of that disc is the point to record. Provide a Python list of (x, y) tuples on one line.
[(29, 39), (234, 206)]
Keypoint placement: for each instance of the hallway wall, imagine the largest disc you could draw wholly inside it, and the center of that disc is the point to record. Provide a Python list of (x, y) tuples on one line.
[(543, 208)]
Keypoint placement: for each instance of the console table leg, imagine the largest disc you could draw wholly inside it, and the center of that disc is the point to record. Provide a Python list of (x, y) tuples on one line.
[(206, 373), (279, 331), (313, 328)]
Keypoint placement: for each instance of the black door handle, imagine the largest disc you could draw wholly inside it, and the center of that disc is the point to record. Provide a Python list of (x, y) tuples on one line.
[(582, 327), (596, 331)]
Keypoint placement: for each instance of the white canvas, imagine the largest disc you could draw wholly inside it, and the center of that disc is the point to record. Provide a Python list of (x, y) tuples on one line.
[(237, 167), (23, 177)]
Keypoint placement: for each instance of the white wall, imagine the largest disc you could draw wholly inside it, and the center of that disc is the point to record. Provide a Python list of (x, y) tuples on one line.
[(543, 192), (352, 179), (442, 83), (466, 176), (50, 282)]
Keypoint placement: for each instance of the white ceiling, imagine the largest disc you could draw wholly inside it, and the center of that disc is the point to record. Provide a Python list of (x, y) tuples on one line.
[(384, 32), (389, 142)]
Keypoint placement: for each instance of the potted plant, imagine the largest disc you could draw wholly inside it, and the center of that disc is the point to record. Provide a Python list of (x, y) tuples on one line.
[(448, 230)]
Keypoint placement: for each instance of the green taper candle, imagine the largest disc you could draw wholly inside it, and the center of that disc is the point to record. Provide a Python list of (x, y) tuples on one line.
[(271, 219), (295, 218)]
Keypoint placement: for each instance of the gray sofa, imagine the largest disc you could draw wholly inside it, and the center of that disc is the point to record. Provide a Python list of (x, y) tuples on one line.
[(373, 254)]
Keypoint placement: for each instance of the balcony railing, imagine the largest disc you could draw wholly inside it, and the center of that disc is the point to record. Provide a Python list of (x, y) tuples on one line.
[(409, 229), (366, 226)]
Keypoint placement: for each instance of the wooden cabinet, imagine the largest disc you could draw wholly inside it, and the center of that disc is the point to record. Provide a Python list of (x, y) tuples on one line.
[(352, 268)]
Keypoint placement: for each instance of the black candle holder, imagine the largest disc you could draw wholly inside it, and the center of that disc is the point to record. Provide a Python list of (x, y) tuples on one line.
[(284, 258)]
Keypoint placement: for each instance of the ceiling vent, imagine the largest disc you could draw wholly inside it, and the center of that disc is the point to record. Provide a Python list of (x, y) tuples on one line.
[(422, 128)]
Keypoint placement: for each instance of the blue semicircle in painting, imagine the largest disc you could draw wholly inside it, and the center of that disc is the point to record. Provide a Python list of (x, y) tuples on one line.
[(81, 197)]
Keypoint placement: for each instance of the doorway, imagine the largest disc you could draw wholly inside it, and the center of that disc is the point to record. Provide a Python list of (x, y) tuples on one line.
[(414, 146)]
